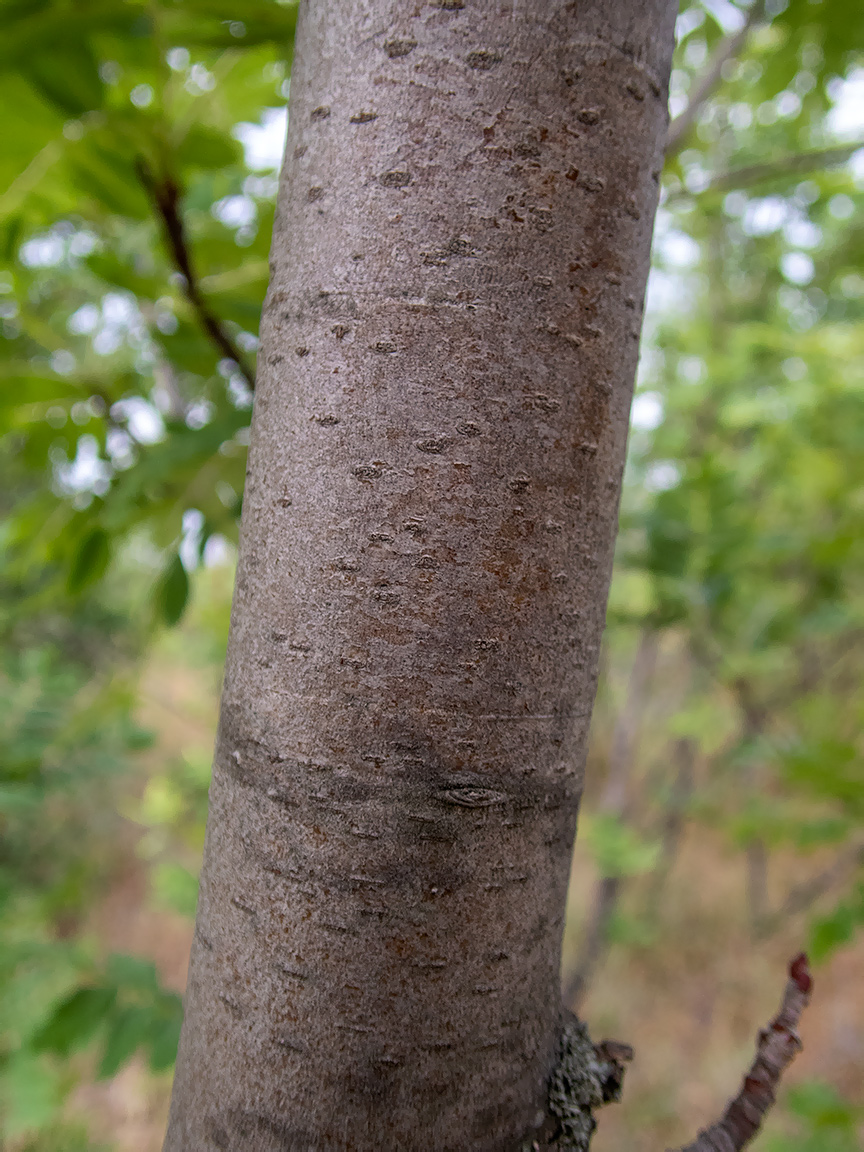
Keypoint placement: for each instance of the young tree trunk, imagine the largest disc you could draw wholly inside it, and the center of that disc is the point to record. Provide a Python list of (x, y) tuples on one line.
[(448, 349)]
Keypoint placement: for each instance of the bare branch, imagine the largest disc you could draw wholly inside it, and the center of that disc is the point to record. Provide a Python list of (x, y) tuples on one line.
[(615, 801), (804, 895), (777, 1046), (166, 198), (794, 164), (596, 937), (706, 85), (791, 165)]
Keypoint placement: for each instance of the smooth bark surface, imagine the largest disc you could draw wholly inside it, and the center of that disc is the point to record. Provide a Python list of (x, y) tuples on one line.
[(448, 350)]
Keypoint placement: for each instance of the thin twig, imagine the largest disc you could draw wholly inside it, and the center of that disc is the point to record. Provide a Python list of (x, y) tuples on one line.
[(727, 49), (791, 165), (794, 164), (166, 198), (776, 1048), (615, 802), (805, 894), (595, 940), (673, 823)]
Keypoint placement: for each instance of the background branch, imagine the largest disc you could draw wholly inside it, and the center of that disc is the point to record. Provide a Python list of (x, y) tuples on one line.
[(706, 85), (777, 1046), (166, 198), (673, 822), (803, 896), (614, 801), (789, 165), (793, 164)]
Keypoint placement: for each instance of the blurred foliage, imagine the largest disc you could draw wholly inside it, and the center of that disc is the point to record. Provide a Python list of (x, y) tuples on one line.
[(742, 530), (173, 811), (617, 849), (128, 1007), (822, 1122), (123, 432), (130, 217), (138, 163)]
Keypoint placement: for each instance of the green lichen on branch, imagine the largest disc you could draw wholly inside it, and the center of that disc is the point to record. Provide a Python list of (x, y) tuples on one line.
[(585, 1077)]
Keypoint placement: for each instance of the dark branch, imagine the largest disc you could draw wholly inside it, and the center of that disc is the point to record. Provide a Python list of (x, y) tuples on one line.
[(166, 198), (706, 85), (776, 1048)]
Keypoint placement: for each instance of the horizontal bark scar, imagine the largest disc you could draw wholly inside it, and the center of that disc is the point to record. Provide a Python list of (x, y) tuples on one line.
[(471, 797)]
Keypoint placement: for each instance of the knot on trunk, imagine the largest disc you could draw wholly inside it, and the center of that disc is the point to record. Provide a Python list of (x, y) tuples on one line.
[(585, 1077)]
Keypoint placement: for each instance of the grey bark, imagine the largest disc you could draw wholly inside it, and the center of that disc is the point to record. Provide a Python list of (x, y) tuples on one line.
[(448, 349)]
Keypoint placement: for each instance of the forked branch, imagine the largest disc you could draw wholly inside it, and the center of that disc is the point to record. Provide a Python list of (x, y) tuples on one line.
[(777, 1046)]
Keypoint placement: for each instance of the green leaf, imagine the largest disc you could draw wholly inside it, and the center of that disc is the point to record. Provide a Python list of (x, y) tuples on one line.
[(828, 933), (165, 1033), (31, 1094), (204, 147), (132, 972), (617, 849), (104, 171), (129, 1030), (821, 1105), (75, 1021), (172, 592), (176, 888), (69, 79), (824, 1121), (91, 560)]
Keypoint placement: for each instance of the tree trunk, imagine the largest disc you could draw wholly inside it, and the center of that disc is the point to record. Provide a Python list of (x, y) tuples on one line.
[(448, 349)]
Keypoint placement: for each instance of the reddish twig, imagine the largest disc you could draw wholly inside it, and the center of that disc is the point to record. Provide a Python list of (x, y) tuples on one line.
[(166, 197), (777, 1046)]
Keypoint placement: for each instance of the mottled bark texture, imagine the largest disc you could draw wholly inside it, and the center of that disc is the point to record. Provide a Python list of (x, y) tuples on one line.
[(448, 351)]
